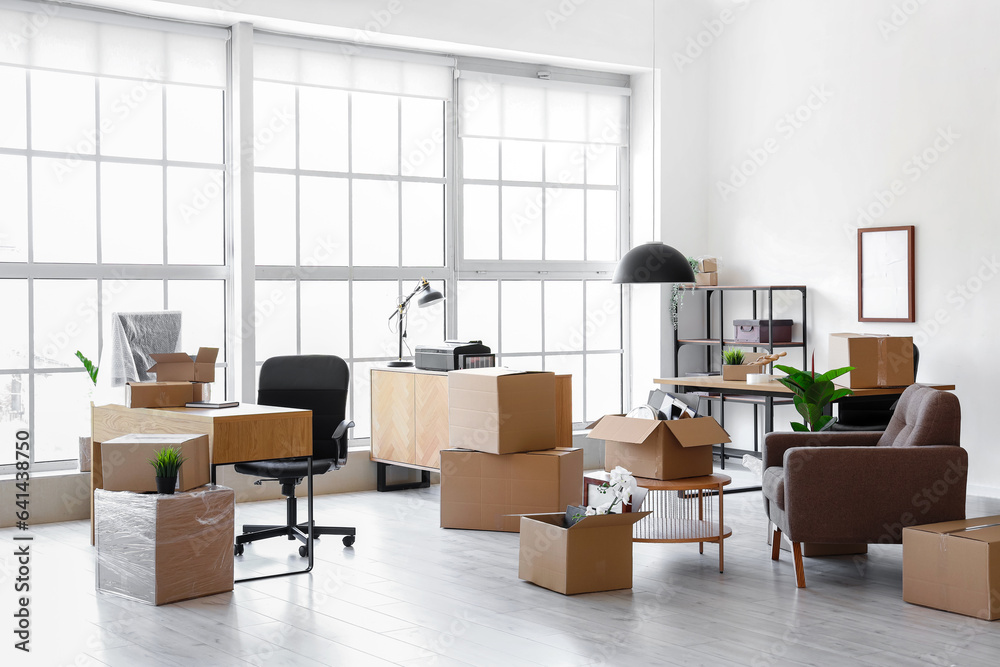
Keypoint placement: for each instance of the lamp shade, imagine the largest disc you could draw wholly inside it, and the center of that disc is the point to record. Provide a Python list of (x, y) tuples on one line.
[(653, 262), (429, 297)]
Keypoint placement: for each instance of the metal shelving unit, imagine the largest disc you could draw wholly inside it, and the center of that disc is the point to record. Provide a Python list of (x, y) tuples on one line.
[(762, 301)]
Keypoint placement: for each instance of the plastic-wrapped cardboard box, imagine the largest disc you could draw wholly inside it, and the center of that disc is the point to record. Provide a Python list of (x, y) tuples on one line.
[(480, 491), (706, 278), (125, 461), (593, 555), (659, 448), (878, 361), (181, 367), (159, 549), (501, 411), (954, 566)]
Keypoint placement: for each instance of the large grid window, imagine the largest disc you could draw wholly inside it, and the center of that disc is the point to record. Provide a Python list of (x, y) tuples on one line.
[(112, 178), (350, 199), (541, 182)]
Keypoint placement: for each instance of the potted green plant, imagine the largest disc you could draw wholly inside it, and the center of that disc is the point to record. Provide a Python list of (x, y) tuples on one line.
[(166, 462), (85, 453), (812, 394)]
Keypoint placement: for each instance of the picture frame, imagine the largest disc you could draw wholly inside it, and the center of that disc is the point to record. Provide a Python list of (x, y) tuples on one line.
[(886, 274)]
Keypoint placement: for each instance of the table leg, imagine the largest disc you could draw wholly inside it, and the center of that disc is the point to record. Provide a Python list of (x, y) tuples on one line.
[(701, 506), (721, 528)]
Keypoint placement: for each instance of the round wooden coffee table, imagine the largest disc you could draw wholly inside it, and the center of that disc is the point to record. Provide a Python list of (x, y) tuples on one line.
[(681, 516)]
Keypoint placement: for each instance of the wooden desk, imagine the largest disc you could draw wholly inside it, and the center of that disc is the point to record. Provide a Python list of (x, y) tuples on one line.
[(771, 390), (235, 435)]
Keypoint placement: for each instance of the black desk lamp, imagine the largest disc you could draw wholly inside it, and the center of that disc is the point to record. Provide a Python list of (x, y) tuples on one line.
[(653, 262), (429, 296)]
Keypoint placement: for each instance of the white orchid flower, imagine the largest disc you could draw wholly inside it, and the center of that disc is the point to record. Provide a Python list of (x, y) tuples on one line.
[(604, 509), (591, 511)]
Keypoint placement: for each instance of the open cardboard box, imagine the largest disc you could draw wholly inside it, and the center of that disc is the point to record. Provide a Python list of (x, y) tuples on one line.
[(954, 566), (165, 394), (481, 491), (595, 554), (659, 448), (181, 367), (125, 461), (501, 411)]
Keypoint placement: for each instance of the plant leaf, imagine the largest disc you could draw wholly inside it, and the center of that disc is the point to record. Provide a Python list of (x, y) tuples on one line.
[(835, 373), (796, 426)]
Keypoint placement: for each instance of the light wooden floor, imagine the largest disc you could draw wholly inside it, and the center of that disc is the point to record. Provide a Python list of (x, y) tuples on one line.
[(411, 593)]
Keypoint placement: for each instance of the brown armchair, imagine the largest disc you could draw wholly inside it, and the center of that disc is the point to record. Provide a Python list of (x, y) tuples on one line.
[(865, 487)]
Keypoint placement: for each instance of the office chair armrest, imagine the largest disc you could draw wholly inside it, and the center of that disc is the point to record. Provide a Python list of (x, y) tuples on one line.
[(342, 429), (777, 443)]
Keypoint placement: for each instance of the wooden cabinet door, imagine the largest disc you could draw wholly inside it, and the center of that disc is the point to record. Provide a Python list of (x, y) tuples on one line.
[(393, 435), (431, 418)]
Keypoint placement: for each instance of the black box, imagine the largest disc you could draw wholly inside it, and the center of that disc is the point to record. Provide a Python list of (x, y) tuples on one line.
[(448, 356)]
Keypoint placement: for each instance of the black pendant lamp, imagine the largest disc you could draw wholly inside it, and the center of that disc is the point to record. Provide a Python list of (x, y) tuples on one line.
[(653, 262)]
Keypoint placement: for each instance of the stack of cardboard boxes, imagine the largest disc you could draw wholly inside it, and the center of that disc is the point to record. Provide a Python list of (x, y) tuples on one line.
[(708, 272), (505, 458), (180, 379), (159, 548)]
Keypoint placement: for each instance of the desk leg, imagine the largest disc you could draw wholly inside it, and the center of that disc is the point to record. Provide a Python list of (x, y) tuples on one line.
[(768, 414), (701, 517)]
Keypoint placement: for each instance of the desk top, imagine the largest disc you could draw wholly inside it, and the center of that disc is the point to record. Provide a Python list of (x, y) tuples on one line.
[(242, 411), (775, 388)]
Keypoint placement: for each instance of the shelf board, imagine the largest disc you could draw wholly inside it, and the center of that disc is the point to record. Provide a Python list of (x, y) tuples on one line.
[(777, 288), (734, 343)]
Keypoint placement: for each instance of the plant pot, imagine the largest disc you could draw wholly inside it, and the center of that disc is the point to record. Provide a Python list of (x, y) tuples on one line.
[(166, 485)]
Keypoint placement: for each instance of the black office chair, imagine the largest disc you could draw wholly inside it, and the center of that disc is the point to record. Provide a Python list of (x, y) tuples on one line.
[(311, 382), (869, 413)]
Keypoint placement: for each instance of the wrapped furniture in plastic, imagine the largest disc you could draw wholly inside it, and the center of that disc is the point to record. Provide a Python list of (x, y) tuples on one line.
[(164, 548), (125, 356)]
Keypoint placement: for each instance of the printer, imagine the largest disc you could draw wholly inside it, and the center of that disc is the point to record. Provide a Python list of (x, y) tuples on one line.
[(453, 355)]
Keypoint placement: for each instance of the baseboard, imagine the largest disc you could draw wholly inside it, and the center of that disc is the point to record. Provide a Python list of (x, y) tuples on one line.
[(982, 490)]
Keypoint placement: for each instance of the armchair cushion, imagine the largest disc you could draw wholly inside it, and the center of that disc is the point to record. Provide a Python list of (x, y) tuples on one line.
[(924, 416)]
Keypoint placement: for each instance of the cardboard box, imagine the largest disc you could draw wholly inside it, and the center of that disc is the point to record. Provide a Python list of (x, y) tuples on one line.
[(158, 394), (878, 361), (954, 566), (180, 367), (593, 555), (759, 331), (479, 491), (126, 467), (706, 278), (159, 549), (708, 265), (501, 411), (659, 448)]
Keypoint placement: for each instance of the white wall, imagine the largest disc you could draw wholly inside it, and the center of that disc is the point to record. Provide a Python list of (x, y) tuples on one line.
[(897, 83)]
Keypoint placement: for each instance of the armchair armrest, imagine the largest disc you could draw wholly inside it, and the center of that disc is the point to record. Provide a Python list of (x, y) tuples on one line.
[(777, 443), (869, 494)]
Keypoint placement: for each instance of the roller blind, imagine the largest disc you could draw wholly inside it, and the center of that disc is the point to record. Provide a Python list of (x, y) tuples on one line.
[(499, 106), (76, 40), (348, 67)]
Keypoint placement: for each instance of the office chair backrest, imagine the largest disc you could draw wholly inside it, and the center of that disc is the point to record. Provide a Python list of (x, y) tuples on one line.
[(312, 382)]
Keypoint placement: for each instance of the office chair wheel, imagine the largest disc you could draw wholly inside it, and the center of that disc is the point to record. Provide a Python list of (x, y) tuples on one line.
[(303, 551), (238, 550), (348, 540)]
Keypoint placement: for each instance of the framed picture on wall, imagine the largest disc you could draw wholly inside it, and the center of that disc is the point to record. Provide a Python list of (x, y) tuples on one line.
[(886, 274)]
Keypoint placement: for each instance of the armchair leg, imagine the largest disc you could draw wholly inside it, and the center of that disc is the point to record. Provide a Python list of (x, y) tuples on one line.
[(775, 544), (800, 574)]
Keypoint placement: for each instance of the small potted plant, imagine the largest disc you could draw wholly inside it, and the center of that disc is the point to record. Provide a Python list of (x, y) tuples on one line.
[(621, 486), (166, 462)]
